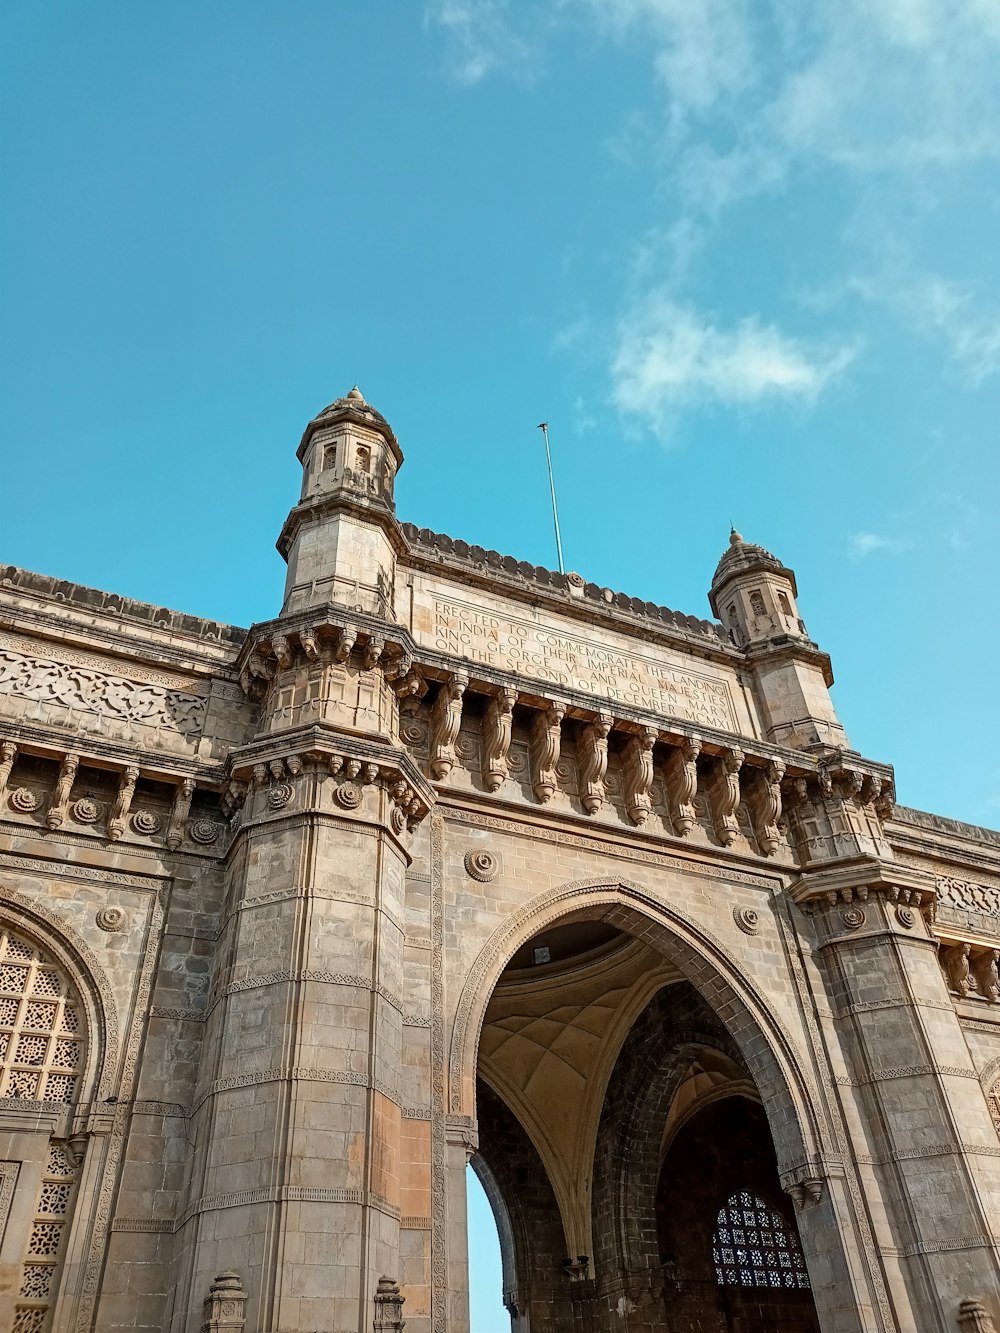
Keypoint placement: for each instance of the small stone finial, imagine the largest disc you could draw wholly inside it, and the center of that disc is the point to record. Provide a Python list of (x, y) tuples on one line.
[(389, 1306), (225, 1306), (355, 395), (735, 538)]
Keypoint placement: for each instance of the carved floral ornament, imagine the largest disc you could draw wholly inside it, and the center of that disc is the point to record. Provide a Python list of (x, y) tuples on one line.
[(482, 865)]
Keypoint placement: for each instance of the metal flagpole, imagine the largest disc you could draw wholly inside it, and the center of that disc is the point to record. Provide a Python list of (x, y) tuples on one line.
[(543, 426)]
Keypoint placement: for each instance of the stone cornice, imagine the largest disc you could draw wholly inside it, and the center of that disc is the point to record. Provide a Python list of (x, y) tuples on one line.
[(786, 649)]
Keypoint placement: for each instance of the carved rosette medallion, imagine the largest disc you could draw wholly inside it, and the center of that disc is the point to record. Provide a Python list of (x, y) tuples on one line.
[(111, 919), (86, 810), (482, 865), (24, 800), (349, 795), (906, 917), (854, 918), (413, 731), (279, 794), (146, 823), (748, 920), (205, 831), (397, 820)]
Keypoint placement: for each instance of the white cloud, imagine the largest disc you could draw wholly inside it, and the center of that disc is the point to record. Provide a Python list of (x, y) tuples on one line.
[(861, 544), (670, 356), (482, 38)]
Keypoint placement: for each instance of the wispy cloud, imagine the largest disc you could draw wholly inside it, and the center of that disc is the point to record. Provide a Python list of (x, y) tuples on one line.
[(483, 37), (861, 544), (670, 355)]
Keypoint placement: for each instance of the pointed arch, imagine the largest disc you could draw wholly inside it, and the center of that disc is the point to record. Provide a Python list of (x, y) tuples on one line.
[(787, 1092), (39, 925)]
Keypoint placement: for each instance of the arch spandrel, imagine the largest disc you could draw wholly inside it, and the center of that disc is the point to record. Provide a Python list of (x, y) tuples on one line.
[(38, 924), (787, 1091)]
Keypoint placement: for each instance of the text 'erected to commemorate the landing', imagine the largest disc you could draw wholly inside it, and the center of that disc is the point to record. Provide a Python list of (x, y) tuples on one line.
[(550, 655)]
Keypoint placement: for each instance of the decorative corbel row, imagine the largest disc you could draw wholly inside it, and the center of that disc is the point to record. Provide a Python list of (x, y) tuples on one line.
[(446, 722), (179, 814), (805, 1192), (8, 753), (60, 795), (495, 738), (637, 774), (724, 796), (682, 784), (593, 762), (546, 738), (765, 806), (123, 802)]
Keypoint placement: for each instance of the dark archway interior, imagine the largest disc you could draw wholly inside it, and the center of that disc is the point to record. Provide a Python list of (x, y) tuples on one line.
[(680, 1139), (724, 1150)]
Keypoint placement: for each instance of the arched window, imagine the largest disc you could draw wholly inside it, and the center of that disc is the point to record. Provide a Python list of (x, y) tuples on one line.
[(41, 1053), (753, 1247)]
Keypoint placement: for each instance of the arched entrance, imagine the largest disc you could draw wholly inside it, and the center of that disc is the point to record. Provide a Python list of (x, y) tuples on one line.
[(620, 1115)]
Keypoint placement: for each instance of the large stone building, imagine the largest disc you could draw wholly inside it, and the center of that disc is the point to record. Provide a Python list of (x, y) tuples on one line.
[(456, 858)]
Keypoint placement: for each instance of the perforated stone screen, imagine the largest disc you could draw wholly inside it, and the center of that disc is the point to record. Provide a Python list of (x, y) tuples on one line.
[(40, 1041), (753, 1247)]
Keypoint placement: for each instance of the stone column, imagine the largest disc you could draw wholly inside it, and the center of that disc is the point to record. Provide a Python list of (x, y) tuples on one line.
[(925, 1147), (298, 1124), (460, 1145)]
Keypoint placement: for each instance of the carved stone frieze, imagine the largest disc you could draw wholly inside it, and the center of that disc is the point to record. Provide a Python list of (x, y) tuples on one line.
[(546, 739), (682, 784), (495, 738), (637, 775), (49, 688), (593, 762)]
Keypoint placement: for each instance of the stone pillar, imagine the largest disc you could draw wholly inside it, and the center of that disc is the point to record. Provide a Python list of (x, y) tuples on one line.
[(297, 1179), (460, 1146), (915, 1114), (389, 1307)]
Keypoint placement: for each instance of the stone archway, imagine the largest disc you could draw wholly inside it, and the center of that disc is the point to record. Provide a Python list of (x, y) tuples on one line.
[(741, 1018)]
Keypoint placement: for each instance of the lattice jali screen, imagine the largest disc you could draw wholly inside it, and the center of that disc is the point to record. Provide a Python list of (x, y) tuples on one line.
[(993, 1099), (38, 1276), (41, 1049), (753, 1247)]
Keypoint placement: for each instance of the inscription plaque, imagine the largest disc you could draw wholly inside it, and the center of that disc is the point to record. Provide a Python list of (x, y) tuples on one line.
[(562, 658)]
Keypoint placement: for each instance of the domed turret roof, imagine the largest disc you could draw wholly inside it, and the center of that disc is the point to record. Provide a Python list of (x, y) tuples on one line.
[(742, 556), (353, 406)]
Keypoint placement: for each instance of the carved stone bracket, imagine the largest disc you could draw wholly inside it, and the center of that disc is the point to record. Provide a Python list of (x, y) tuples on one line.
[(765, 805), (495, 738), (123, 803), (8, 753), (593, 762), (225, 1306), (971, 969), (724, 796), (446, 721), (682, 784), (805, 1192), (637, 774), (389, 1306), (60, 795), (546, 738), (179, 814)]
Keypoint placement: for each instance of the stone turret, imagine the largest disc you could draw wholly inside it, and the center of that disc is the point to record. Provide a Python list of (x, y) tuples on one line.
[(338, 540), (754, 595)]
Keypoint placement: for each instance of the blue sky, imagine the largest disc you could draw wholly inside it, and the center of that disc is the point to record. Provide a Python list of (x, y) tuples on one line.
[(742, 256)]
